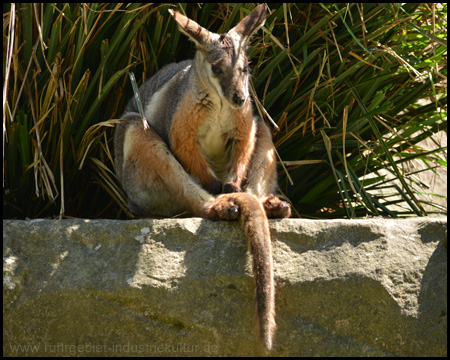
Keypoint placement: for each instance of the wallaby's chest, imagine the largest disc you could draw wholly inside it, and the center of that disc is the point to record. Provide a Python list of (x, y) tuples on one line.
[(215, 138)]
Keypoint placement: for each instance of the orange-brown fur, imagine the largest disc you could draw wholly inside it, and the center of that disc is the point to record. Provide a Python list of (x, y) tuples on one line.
[(184, 133), (244, 147)]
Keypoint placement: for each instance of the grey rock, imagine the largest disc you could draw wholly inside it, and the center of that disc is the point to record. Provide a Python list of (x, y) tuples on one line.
[(372, 287)]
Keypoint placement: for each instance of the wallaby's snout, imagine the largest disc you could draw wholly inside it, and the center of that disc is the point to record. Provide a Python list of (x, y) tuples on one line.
[(236, 92), (238, 100)]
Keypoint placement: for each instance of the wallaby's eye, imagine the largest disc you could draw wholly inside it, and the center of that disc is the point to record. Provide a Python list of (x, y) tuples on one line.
[(216, 70)]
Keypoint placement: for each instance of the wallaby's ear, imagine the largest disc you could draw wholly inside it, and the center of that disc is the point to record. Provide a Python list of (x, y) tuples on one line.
[(189, 27), (252, 22)]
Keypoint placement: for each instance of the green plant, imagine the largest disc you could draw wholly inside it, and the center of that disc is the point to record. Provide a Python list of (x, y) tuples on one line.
[(344, 83)]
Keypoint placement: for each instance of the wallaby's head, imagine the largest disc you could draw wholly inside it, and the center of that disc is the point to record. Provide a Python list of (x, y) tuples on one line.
[(221, 60)]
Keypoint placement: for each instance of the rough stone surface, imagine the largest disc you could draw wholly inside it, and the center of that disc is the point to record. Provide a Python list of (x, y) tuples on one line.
[(373, 287)]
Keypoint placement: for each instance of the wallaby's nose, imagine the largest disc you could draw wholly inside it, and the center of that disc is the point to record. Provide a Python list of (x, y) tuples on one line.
[(238, 99)]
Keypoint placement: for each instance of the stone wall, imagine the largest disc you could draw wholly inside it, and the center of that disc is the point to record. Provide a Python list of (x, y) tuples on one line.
[(184, 287)]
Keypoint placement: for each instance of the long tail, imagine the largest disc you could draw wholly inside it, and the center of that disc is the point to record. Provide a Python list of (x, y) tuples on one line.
[(251, 214), (253, 217)]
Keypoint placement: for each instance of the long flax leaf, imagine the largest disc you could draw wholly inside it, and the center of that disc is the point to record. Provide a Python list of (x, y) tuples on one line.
[(339, 184)]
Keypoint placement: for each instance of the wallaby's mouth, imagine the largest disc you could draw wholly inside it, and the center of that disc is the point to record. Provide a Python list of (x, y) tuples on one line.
[(237, 101), (236, 107)]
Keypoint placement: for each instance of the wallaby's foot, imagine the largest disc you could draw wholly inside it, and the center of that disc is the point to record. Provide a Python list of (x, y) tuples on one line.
[(276, 208), (222, 207), (229, 187), (226, 207)]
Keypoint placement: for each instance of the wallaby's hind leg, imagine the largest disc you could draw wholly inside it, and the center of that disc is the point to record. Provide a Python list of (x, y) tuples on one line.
[(262, 175), (154, 181)]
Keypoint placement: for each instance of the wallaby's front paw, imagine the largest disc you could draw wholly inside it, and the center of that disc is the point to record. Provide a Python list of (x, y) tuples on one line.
[(230, 187), (276, 208), (222, 208), (214, 186)]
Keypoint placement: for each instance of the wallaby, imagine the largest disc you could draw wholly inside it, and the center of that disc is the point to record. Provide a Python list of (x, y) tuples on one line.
[(203, 139)]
